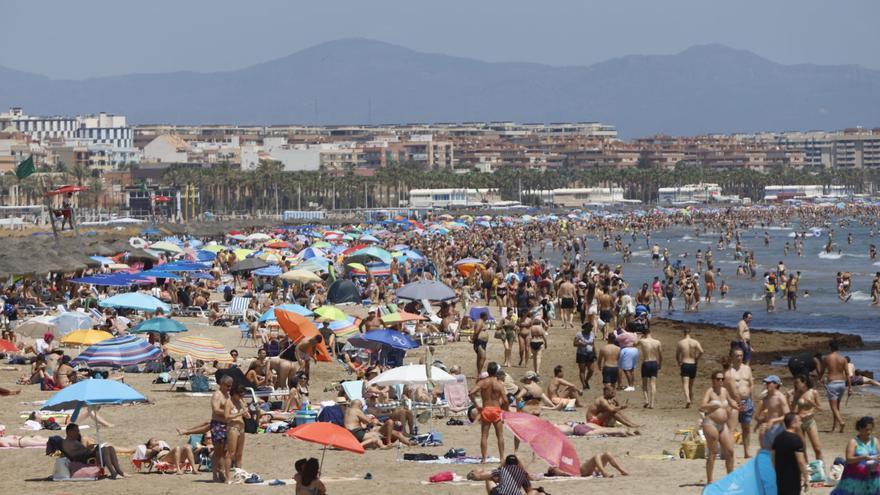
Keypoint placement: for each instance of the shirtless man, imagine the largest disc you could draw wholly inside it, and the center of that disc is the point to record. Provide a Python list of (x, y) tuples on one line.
[(493, 400), (609, 362), (791, 290), (605, 303), (838, 381), (741, 376), (371, 322), (688, 352), (480, 339), (561, 391), (652, 360), (605, 410), (774, 407), (745, 336), (364, 428), (709, 277), (218, 428), (306, 351), (567, 293)]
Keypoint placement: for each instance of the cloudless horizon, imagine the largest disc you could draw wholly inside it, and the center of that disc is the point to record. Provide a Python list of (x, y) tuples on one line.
[(78, 40)]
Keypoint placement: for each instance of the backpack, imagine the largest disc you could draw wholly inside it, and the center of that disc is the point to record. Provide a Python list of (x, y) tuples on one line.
[(9, 310)]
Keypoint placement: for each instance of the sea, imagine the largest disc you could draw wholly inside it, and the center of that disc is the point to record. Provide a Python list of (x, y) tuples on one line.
[(820, 311)]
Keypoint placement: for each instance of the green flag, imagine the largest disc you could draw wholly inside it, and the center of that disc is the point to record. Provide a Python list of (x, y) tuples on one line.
[(25, 168)]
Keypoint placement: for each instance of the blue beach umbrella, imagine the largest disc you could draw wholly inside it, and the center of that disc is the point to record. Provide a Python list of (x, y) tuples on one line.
[(93, 394), (159, 325), (269, 271), (384, 336), (135, 301), (269, 315)]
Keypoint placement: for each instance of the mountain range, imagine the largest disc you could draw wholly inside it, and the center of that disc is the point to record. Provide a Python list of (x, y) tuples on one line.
[(704, 89)]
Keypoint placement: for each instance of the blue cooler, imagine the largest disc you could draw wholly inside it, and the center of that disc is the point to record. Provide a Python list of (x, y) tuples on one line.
[(303, 417)]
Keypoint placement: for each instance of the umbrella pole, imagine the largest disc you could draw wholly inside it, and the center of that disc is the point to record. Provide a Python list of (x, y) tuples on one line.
[(321, 466)]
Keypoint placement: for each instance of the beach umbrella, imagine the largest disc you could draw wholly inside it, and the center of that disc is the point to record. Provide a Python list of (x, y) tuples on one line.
[(85, 337), (328, 435), (118, 352), (269, 257), (159, 325), (309, 253), (401, 316), (413, 374), (300, 275), (314, 265), (346, 327), (93, 394), (242, 253), (277, 244), (269, 315), (298, 327), (36, 327), (201, 348), (213, 248), (258, 237), (118, 266), (431, 290), (269, 271), (70, 321), (369, 238), (357, 266), (385, 336), (331, 313), (248, 265), (159, 273), (544, 438), (369, 253), (468, 261), (166, 246), (136, 301), (7, 346)]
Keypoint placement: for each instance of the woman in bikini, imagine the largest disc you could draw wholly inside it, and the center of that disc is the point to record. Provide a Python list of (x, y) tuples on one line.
[(181, 458), (717, 406), (236, 413), (17, 442), (804, 400)]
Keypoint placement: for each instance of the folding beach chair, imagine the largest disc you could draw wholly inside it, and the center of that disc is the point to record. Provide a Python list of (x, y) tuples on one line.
[(456, 400), (236, 311), (353, 389)]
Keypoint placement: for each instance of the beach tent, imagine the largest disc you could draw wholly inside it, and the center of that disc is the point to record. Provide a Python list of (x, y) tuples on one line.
[(343, 291), (756, 477)]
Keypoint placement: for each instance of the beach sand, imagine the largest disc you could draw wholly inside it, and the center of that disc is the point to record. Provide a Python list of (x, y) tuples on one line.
[(272, 455)]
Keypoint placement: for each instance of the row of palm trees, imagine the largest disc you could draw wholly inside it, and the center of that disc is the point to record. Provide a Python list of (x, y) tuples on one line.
[(225, 188)]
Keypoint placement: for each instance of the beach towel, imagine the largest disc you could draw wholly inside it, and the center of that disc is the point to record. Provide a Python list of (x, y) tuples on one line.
[(457, 460)]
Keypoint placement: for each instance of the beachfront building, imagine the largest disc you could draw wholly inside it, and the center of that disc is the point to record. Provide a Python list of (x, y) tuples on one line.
[(445, 198), (809, 192), (40, 128), (578, 197), (689, 193)]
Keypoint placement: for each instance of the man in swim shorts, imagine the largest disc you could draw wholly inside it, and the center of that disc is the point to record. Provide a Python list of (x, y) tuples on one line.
[(609, 362), (835, 366), (493, 397), (218, 427)]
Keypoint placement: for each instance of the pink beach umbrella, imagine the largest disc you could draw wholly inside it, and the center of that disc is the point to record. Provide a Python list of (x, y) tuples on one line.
[(546, 440)]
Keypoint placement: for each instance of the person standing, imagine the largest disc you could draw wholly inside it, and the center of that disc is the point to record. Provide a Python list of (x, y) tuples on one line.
[(651, 351), (791, 291), (741, 376), (585, 354), (688, 352), (493, 400), (609, 362), (717, 405), (480, 340), (789, 459), (218, 428), (745, 337), (567, 293), (834, 365)]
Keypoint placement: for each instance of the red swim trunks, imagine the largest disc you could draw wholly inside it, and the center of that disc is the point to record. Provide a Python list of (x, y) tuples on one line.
[(595, 421), (490, 414)]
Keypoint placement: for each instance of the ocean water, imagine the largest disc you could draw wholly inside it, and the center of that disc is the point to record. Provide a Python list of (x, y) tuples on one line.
[(820, 311)]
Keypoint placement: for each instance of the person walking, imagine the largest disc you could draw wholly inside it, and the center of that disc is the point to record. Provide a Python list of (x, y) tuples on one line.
[(789, 459)]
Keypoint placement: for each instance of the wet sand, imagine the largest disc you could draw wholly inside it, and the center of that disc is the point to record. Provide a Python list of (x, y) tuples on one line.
[(272, 455)]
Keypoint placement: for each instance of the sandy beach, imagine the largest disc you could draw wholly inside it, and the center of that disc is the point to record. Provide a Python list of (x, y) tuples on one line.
[(272, 455)]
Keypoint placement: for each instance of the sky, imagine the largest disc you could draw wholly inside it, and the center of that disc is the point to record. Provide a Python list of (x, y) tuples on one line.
[(90, 38)]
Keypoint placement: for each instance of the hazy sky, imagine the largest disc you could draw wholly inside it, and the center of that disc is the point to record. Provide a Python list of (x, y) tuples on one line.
[(78, 39)]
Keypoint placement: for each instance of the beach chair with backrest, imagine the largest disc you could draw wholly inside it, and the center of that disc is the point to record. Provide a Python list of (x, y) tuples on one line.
[(456, 399), (236, 311), (353, 389), (203, 458)]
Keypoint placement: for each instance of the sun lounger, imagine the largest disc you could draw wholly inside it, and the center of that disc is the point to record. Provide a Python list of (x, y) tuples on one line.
[(456, 401), (235, 313), (354, 389)]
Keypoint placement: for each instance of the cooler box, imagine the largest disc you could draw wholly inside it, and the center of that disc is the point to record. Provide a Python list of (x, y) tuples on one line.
[(303, 417)]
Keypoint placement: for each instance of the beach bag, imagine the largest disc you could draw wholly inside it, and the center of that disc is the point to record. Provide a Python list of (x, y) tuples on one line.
[(251, 424), (692, 448), (198, 383), (441, 477), (817, 471)]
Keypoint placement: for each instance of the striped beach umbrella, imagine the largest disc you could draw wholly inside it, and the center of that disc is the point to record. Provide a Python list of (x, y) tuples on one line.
[(344, 328), (201, 348), (122, 351)]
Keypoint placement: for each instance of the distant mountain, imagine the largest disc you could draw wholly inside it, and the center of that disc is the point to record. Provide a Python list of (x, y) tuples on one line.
[(708, 88)]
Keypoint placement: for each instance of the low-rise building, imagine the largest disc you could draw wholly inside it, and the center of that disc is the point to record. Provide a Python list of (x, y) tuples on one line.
[(689, 193), (578, 197), (445, 198)]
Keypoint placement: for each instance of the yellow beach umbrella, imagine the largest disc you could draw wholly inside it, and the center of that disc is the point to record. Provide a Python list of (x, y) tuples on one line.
[(357, 266), (85, 337), (242, 253), (215, 248), (331, 313), (303, 276)]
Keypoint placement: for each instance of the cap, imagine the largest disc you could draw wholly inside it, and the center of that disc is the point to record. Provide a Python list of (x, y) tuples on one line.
[(773, 379), (530, 375)]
